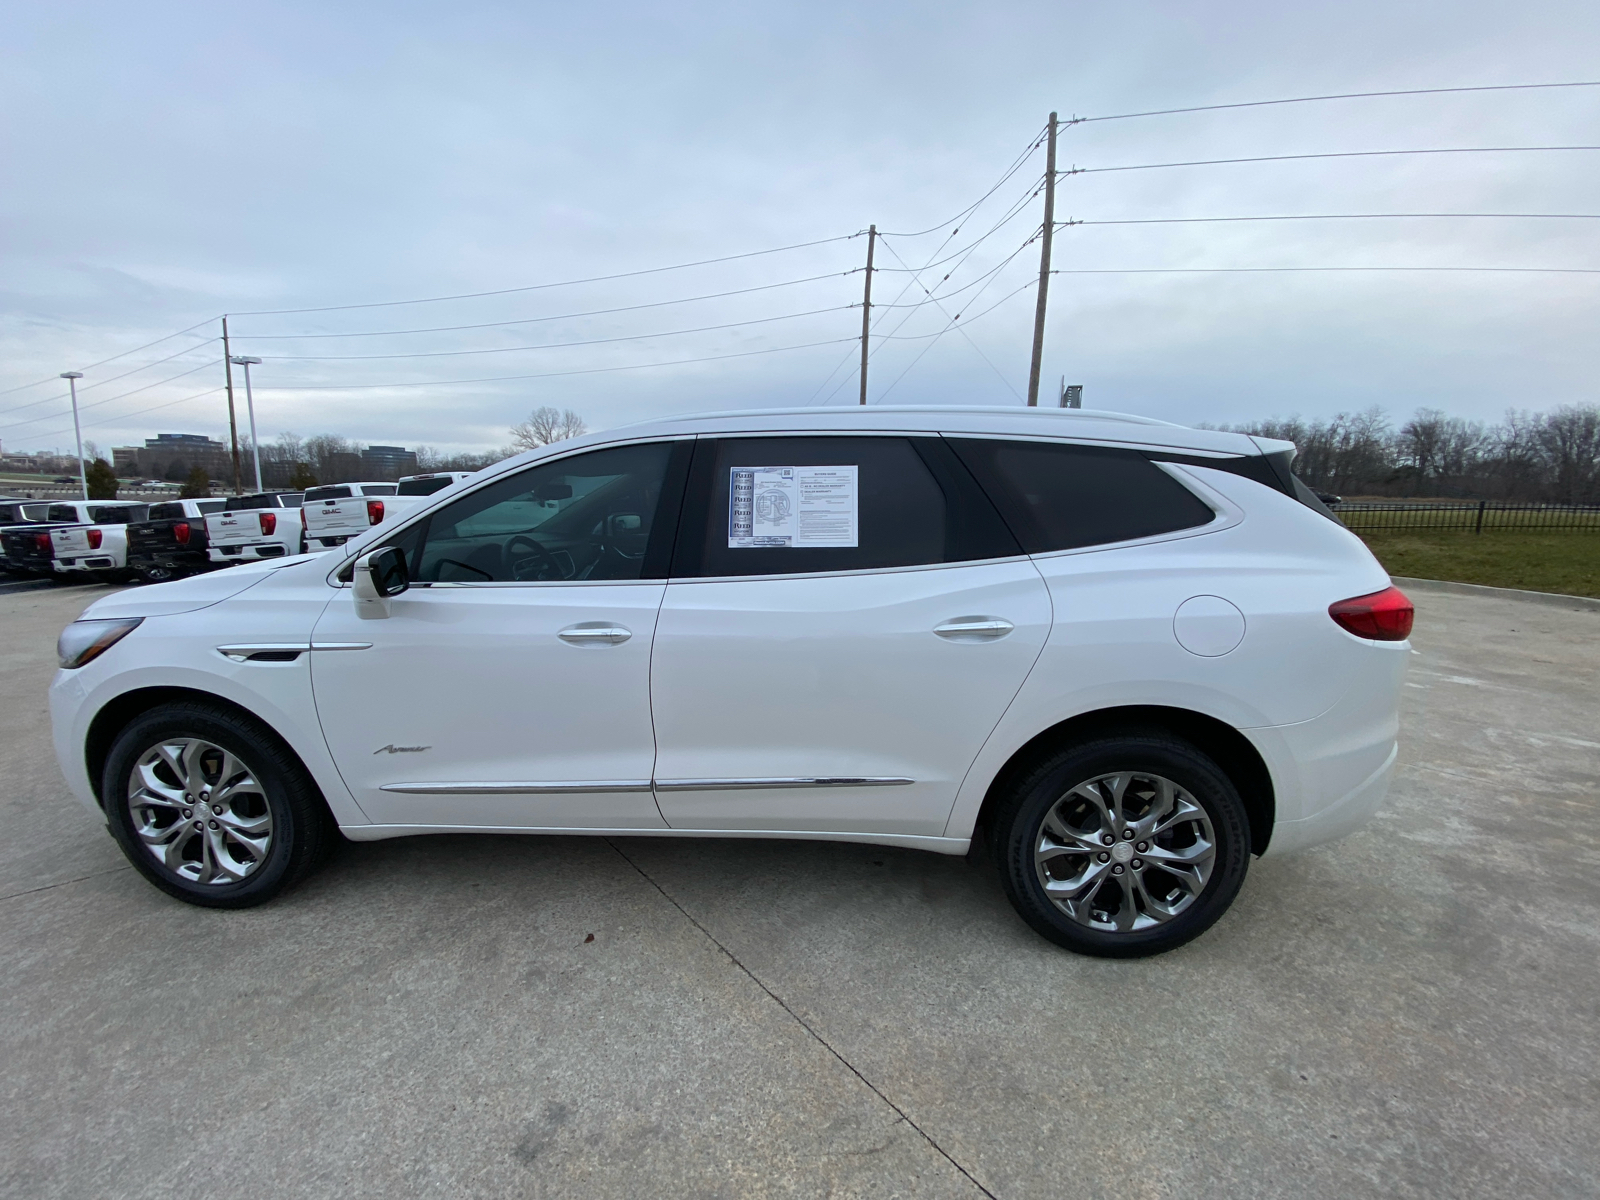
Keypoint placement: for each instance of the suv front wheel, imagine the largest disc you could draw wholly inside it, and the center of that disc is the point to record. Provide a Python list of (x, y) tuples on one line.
[(1123, 846), (210, 809)]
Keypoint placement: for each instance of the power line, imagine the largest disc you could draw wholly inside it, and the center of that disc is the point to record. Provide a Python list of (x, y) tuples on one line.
[(113, 358), (596, 312), (121, 395), (634, 337), (538, 287), (936, 336), (1338, 217), (1247, 270), (103, 382), (342, 387), (1217, 162), (1016, 166), (1499, 87), (139, 413)]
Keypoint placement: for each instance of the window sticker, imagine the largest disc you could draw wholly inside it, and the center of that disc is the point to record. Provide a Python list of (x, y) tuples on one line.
[(800, 508)]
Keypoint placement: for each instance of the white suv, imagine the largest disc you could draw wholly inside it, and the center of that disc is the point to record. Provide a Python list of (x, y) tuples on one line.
[(1123, 655)]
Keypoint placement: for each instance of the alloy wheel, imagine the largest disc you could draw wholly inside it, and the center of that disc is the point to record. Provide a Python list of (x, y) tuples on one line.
[(199, 811), (1124, 852)]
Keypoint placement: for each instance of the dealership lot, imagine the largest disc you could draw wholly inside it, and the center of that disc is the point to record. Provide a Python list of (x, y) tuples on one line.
[(1409, 1011)]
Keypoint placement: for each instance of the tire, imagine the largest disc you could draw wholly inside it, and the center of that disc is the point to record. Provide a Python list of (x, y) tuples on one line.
[(269, 831), (1078, 880)]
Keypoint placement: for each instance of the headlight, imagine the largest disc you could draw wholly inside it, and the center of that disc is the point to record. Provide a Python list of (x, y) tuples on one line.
[(84, 641)]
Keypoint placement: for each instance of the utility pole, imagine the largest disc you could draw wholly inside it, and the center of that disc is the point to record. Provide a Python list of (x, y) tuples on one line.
[(866, 308), (72, 378), (1044, 264), (233, 423), (245, 361)]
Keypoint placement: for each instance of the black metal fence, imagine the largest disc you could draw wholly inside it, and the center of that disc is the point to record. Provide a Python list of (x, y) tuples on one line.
[(1478, 517)]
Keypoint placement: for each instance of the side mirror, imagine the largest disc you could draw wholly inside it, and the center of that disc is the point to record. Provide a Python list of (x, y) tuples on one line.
[(377, 577)]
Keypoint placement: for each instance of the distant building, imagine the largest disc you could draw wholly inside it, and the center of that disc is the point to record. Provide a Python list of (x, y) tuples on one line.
[(173, 455), (388, 462)]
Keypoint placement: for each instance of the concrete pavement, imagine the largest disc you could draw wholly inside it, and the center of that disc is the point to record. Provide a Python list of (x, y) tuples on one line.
[(1411, 1012)]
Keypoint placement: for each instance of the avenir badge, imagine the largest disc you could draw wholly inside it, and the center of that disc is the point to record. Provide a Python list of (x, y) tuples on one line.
[(393, 749)]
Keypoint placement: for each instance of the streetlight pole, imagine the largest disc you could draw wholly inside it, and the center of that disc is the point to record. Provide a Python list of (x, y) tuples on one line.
[(72, 378), (245, 361)]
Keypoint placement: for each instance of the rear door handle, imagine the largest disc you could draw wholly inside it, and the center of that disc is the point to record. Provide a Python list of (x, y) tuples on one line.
[(974, 629), (595, 633)]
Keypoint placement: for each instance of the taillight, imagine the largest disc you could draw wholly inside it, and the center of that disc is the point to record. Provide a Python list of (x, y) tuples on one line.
[(374, 511), (180, 531), (42, 540), (94, 539), (1384, 616), (269, 522)]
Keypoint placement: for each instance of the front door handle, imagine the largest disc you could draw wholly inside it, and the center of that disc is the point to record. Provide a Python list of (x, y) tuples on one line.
[(595, 633), (974, 629)]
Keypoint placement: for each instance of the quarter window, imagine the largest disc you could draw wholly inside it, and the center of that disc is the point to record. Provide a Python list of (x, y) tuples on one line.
[(589, 516), (1057, 496)]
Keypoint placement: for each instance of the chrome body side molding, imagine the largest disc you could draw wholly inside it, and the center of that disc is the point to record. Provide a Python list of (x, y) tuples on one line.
[(798, 781), (544, 788)]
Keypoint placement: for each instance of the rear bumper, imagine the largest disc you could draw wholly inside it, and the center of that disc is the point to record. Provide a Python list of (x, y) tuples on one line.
[(88, 564), (1331, 773), (227, 553)]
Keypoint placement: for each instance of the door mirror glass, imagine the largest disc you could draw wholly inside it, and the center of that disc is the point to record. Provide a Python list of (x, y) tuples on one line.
[(389, 573)]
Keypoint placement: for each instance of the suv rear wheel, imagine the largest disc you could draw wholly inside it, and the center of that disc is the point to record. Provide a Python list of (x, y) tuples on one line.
[(210, 809), (1124, 846)]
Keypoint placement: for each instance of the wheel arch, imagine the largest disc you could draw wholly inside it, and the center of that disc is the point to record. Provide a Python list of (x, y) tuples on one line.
[(115, 715), (1229, 748)]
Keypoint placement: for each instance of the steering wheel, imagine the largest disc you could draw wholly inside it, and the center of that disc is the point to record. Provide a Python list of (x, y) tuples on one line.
[(538, 563)]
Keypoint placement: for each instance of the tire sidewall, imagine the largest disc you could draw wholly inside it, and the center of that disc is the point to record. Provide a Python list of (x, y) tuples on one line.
[(1183, 765), (252, 749)]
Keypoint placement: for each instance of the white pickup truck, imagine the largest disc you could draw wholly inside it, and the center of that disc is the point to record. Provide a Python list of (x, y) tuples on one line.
[(337, 512), (97, 549), (264, 525)]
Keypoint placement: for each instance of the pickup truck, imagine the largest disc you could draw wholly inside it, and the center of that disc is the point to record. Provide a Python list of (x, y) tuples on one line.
[(250, 528), (15, 513), (98, 549), (171, 541), (338, 512), (28, 547)]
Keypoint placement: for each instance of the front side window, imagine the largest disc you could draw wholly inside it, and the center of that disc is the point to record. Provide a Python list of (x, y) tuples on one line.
[(1057, 496), (793, 505), (589, 516)]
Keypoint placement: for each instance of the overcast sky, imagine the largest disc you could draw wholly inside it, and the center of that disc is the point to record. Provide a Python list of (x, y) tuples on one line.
[(165, 163)]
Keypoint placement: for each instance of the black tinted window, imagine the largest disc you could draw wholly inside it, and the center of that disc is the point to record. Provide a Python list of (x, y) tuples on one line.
[(1060, 497), (166, 512), (210, 506), (10, 512), (424, 487), (790, 505), (101, 515), (337, 491), (372, 489), (589, 516), (62, 512)]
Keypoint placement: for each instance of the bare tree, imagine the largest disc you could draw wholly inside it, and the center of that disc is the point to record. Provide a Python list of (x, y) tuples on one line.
[(545, 425)]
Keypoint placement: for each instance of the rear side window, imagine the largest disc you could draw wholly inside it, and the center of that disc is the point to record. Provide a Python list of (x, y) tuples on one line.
[(338, 491), (377, 489), (1062, 497), (424, 487), (796, 505)]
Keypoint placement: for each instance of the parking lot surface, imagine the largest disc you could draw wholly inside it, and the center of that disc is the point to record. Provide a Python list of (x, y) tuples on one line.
[(1410, 1012)]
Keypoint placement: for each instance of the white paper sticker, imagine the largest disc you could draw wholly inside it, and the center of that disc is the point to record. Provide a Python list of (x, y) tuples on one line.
[(797, 507)]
